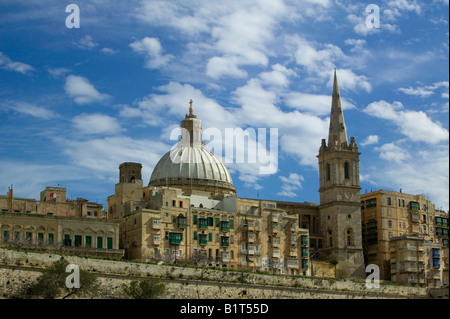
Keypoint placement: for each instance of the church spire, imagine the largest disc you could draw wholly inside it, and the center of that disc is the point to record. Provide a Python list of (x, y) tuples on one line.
[(337, 135)]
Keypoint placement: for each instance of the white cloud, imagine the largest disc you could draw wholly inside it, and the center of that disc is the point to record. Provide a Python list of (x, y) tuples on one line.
[(102, 156), (317, 104), (290, 185), (152, 50), (426, 91), (87, 43), (279, 76), (30, 109), (417, 126), (108, 51), (82, 91), (58, 72), (96, 124), (422, 92), (319, 60), (404, 5), (427, 172), (393, 153), (371, 139), (218, 67), (8, 64)]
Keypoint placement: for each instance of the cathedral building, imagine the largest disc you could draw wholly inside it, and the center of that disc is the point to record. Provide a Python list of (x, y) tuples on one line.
[(190, 210)]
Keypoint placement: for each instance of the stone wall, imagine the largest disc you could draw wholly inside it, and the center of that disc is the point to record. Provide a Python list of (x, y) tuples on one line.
[(18, 267)]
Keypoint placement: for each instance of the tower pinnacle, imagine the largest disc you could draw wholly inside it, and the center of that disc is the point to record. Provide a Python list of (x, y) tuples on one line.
[(337, 135)]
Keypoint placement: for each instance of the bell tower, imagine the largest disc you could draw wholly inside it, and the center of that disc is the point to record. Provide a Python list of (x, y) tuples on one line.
[(340, 205)]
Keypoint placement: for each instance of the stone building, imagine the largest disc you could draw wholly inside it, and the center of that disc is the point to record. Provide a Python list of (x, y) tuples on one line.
[(56, 223), (190, 210), (394, 220)]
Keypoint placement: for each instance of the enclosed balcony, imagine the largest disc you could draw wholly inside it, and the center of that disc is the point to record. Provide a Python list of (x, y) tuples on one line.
[(292, 263), (181, 222), (156, 223), (304, 240), (224, 225), (203, 223), (203, 240), (175, 238), (225, 241)]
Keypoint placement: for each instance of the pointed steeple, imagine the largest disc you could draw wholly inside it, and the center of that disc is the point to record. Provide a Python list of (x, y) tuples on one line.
[(337, 135)]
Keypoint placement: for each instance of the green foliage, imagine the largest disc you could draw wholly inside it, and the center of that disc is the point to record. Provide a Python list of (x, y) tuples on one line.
[(144, 289), (52, 283)]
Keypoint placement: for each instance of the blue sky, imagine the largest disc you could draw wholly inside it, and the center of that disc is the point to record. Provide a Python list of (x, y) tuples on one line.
[(77, 102)]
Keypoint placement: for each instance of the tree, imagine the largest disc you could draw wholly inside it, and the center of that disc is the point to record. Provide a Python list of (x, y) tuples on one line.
[(144, 289), (52, 283)]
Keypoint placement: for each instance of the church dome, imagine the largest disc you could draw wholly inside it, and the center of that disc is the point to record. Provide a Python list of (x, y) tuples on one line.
[(190, 166)]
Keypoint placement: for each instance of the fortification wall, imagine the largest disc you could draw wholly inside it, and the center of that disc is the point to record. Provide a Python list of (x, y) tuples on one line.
[(17, 268)]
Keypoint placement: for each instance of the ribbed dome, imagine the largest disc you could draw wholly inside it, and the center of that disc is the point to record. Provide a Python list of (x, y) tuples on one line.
[(192, 167)]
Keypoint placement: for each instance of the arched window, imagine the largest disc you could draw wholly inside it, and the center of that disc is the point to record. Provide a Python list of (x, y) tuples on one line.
[(328, 172), (346, 171), (349, 234)]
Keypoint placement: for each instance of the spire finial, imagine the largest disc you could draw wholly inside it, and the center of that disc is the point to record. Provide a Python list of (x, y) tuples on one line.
[(191, 109)]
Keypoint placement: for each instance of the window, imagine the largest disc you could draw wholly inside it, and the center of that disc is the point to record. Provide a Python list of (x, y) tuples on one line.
[(346, 171), (6, 236), (203, 223), (390, 223), (109, 243), (371, 203), (51, 239), (77, 241), (28, 237), (210, 237), (88, 241), (389, 201), (99, 242), (328, 172), (67, 241), (195, 235), (195, 220)]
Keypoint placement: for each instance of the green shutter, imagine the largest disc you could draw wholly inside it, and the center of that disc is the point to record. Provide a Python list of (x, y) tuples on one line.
[(210, 236), (231, 224), (77, 240), (109, 242), (88, 241), (195, 235), (217, 222), (195, 219), (99, 242), (167, 235), (210, 221), (67, 240), (51, 239), (5, 236)]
